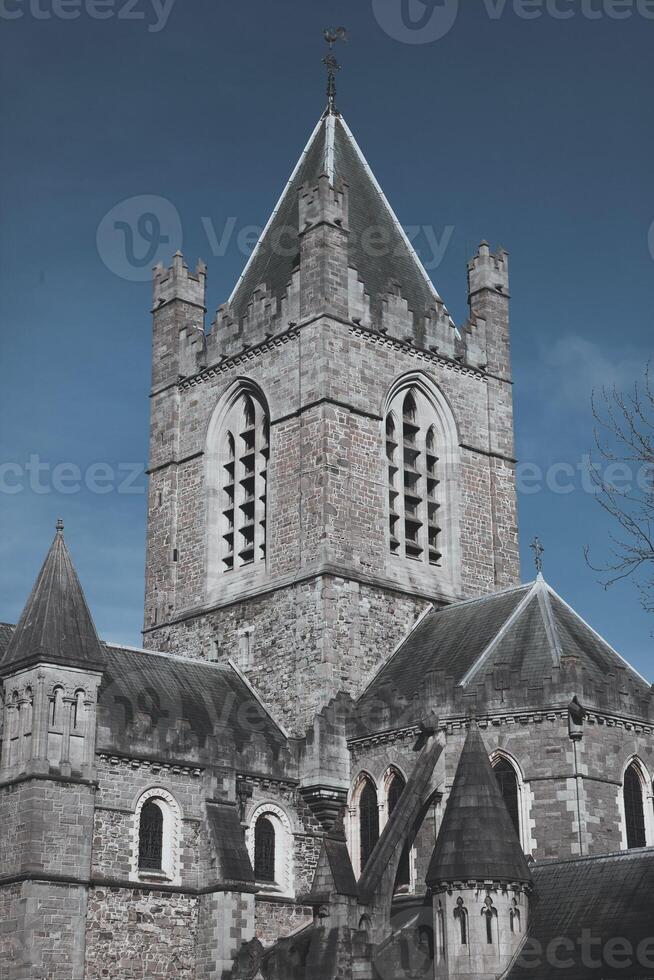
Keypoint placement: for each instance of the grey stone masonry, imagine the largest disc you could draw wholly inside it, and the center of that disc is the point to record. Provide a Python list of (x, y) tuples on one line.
[(320, 612)]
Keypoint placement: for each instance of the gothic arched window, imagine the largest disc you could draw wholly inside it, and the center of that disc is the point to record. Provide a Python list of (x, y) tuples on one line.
[(241, 453), (395, 790), (368, 821), (415, 451), (151, 829), (507, 781), (634, 809), (264, 850)]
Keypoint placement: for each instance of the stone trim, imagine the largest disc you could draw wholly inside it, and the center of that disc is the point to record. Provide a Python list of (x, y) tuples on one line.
[(284, 848), (172, 819)]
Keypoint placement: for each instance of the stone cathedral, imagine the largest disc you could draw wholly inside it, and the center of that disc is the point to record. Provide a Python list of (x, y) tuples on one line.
[(354, 746)]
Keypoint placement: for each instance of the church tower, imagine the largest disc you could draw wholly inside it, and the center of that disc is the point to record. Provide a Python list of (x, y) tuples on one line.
[(51, 672), (333, 455)]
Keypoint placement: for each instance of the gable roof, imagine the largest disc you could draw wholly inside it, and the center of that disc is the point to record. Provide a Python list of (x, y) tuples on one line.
[(56, 626), (603, 897), (164, 704), (477, 839), (525, 632), (332, 150)]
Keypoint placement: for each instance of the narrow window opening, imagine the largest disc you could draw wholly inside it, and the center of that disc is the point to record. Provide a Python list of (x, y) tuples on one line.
[(151, 837), (461, 915), (395, 791), (507, 781), (264, 850), (634, 808), (368, 821)]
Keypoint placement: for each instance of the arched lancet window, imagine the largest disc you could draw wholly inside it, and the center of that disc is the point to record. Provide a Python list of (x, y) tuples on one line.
[(368, 821), (514, 916), (395, 790), (56, 707), (78, 711), (264, 850), (634, 808), (237, 453), (151, 830), (461, 915), (421, 454), (489, 913), (507, 781)]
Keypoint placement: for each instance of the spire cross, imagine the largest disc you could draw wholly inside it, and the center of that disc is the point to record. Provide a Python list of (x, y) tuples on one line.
[(332, 35), (538, 551)]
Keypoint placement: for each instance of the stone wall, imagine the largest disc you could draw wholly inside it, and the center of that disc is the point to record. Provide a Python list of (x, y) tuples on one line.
[(137, 935)]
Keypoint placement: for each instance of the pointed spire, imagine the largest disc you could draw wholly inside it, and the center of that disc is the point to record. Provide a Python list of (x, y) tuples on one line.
[(477, 839), (56, 626)]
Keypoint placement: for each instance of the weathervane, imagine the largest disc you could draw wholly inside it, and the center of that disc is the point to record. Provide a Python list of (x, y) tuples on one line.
[(332, 35), (538, 551)]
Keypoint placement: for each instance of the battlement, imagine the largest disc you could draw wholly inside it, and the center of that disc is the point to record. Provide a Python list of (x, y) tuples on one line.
[(489, 270), (177, 283), (323, 203)]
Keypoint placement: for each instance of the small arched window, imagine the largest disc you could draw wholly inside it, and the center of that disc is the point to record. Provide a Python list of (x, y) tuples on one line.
[(634, 808), (507, 781), (415, 451), (151, 830), (56, 707), (368, 821), (78, 711), (264, 850), (395, 790)]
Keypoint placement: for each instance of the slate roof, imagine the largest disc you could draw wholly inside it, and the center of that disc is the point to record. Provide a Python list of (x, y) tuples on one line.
[(176, 704), (332, 150), (610, 897), (56, 626), (477, 839), (525, 631), (334, 873), (228, 840), (6, 631)]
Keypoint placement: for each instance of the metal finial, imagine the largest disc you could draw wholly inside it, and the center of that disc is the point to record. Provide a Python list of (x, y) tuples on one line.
[(332, 35), (59, 526), (538, 551)]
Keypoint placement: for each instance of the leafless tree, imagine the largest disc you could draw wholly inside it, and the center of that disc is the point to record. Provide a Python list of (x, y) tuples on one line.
[(623, 475)]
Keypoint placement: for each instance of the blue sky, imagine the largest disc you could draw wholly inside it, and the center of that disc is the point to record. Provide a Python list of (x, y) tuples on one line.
[(533, 133)]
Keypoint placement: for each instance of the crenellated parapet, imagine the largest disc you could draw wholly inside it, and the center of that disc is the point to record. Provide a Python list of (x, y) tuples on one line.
[(177, 283), (322, 203), (489, 270)]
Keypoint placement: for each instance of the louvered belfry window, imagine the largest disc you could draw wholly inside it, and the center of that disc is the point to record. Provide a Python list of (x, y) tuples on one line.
[(368, 821), (151, 837), (507, 780), (634, 810), (414, 479), (264, 850), (395, 791), (244, 474)]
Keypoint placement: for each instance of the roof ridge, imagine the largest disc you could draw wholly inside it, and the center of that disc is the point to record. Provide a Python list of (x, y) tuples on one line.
[(513, 616), (486, 597), (220, 665), (547, 613), (394, 218), (581, 858), (596, 634)]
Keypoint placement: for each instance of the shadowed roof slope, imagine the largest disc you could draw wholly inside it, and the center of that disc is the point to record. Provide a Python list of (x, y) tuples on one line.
[(603, 897), (477, 839), (332, 150), (165, 704), (525, 632), (56, 626)]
